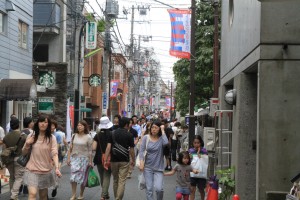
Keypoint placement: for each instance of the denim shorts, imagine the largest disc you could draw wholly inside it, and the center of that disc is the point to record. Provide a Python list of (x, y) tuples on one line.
[(183, 190)]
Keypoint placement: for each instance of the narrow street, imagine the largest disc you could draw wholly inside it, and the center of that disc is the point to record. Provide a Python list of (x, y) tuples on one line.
[(131, 192)]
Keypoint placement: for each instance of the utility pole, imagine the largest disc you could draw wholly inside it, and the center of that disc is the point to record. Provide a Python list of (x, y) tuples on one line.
[(192, 74), (111, 12), (130, 82)]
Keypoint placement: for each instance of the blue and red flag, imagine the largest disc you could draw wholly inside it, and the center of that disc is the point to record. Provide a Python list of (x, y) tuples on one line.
[(181, 32)]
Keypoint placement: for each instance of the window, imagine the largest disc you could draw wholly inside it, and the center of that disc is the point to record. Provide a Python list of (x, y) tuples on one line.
[(23, 34), (2, 23)]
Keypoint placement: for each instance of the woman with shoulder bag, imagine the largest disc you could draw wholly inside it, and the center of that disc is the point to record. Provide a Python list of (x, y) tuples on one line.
[(101, 139), (79, 157), (38, 176), (153, 164)]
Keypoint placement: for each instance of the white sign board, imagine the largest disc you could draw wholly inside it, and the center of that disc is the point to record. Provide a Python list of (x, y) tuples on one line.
[(91, 35)]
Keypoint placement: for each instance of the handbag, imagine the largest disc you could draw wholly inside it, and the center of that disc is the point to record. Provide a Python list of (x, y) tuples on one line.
[(142, 182), (23, 159), (103, 155), (200, 164), (137, 161)]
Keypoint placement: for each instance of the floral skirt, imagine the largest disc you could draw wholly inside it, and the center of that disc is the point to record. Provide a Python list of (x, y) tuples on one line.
[(78, 168), (40, 181)]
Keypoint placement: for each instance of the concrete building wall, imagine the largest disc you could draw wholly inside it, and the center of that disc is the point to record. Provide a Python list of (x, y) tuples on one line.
[(244, 135), (240, 36), (263, 42), (278, 125)]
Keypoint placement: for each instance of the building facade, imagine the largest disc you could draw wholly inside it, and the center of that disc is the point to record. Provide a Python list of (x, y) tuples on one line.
[(260, 60), (16, 27)]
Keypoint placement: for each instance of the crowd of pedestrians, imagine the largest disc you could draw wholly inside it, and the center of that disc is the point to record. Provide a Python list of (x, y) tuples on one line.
[(113, 149)]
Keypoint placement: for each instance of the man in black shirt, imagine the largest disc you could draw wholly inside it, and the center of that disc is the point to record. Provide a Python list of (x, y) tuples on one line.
[(122, 151)]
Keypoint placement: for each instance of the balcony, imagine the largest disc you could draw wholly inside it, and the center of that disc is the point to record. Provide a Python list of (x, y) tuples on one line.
[(46, 17)]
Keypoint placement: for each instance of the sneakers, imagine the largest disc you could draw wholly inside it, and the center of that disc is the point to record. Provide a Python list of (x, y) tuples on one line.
[(54, 192), (168, 168)]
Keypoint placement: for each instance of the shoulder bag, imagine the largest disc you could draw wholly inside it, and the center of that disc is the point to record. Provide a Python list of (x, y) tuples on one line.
[(103, 154), (137, 161)]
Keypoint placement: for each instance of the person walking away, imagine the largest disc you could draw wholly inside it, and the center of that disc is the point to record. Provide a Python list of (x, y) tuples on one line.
[(79, 157), (167, 149), (28, 125), (174, 140), (200, 183), (16, 171), (121, 149), (38, 175), (183, 169), (153, 164), (134, 133), (101, 139)]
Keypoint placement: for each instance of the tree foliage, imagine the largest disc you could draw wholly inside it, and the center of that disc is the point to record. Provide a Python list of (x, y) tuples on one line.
[(204, 62), (100, 23)]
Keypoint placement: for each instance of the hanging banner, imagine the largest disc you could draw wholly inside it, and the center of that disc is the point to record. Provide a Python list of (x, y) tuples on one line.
[(168, 102), (91, 35), (181, 33), (114, 88)]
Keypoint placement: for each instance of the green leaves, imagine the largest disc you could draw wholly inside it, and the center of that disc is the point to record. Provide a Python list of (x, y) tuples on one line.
[(204, 62), (226, 182)]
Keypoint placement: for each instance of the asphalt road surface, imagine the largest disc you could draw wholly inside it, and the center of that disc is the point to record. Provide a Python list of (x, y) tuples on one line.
[(131, 191)]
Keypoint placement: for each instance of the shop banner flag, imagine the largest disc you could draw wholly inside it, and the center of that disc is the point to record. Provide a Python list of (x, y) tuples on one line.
[(114, 88), (181, 32), (168, 102)]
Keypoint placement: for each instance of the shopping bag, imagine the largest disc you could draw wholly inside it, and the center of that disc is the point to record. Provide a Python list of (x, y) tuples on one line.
[(86, 176), (93, 179), (142, 182), (200, 164)]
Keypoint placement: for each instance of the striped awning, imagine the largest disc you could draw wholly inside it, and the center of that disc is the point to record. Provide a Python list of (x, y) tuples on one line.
[(18, 89)]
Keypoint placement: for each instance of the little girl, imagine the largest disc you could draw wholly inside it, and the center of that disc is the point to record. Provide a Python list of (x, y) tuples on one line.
[(198, 150), (183, 169)]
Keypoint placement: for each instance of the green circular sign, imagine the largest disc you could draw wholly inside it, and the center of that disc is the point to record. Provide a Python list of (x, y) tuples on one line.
[(95, 80)]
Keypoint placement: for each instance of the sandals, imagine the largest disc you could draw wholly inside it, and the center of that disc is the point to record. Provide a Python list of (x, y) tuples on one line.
[(80, 198)]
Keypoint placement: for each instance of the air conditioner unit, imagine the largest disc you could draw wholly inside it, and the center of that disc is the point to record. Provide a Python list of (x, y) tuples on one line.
[(209, 138)]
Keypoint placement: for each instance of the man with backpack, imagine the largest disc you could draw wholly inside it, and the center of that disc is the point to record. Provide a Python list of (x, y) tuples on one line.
[(14, 140)]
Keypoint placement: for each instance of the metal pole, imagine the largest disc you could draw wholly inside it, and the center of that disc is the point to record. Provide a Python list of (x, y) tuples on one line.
[(77, 92), (216, 78), (105, 66), (192, 74), (171, 118)]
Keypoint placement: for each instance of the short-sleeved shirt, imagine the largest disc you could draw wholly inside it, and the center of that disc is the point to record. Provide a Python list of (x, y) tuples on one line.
[(121, 137), (12, 138), (104, 136), (183, 175)]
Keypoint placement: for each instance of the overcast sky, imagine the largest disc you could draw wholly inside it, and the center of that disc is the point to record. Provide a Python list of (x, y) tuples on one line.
[(156, 24)]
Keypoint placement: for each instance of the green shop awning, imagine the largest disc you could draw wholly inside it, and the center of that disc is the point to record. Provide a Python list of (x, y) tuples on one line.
[(85, 110)]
